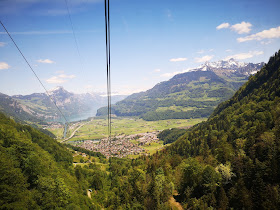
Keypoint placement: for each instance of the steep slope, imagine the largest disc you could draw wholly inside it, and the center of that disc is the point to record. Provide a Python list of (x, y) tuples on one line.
[(239, 146), (193, 94), (35, 171)]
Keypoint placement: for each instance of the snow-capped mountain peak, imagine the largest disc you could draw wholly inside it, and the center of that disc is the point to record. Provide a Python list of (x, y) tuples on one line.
[(224, 64), (230, 66)]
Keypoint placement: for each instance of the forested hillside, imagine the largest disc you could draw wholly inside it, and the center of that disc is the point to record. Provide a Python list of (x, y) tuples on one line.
[(239, 146), (35, 171)]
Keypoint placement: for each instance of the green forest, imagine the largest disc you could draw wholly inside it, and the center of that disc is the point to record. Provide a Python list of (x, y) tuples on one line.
[(231, 161)]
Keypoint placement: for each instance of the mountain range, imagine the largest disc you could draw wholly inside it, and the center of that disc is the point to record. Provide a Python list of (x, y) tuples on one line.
[(38, 106), (192, 94)]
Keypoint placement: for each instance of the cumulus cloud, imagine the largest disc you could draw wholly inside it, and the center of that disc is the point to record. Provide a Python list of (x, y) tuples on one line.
[(242, 56), (157, 70), (4, 65), (204, 58), (228, 50), (55, 80), (2, 44), (60, 79), (223, 25), (265, 34), (242, 28), (177, 59), (45, 61)]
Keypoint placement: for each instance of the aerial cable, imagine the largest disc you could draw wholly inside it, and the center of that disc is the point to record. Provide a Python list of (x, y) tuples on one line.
[(108, 61), (73, 31), (66, 122)]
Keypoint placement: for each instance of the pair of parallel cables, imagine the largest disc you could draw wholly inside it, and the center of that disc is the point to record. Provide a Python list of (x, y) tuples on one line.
[(108, 61)]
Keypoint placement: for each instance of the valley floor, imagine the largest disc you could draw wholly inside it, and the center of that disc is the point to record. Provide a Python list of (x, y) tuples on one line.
[(131, 137)]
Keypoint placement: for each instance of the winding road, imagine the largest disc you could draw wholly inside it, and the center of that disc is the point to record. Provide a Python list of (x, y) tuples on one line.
[(75, 132)]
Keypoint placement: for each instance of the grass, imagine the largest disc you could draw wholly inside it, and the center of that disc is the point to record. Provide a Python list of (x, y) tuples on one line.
[(95, 161), (58, 132), (97, 128), (153, 147)]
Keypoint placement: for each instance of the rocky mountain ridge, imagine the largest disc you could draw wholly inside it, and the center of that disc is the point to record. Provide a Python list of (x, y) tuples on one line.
[(230, 67)]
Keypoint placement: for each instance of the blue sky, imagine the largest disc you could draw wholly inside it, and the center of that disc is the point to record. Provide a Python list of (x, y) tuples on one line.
[(151, 40)]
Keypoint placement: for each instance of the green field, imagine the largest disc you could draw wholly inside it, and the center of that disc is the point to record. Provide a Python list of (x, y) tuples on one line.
[(97, 128)]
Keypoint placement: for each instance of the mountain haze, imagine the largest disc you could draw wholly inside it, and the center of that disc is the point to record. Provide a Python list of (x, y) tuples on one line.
[(73, 106), (13, 108)]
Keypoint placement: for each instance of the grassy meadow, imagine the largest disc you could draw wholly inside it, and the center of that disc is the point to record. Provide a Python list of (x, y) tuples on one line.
[(97, 128)]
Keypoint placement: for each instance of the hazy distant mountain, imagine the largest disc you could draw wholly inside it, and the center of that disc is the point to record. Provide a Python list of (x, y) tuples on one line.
[(193, 94), (72, 105), (13, 108)]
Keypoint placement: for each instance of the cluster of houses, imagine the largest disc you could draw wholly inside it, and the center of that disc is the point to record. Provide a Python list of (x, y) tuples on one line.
[(121, 146)]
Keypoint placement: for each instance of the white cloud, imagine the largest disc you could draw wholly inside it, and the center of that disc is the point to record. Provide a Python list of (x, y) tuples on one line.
[(157, 70), (228, 50), (45, 61), (204, 58), (176, 72), (60, 79), (223, 25), (242, 56), (242, 28), (2, 44), (66, 76), (265, 34), (4, 65), (55, 80), (177, 59)]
